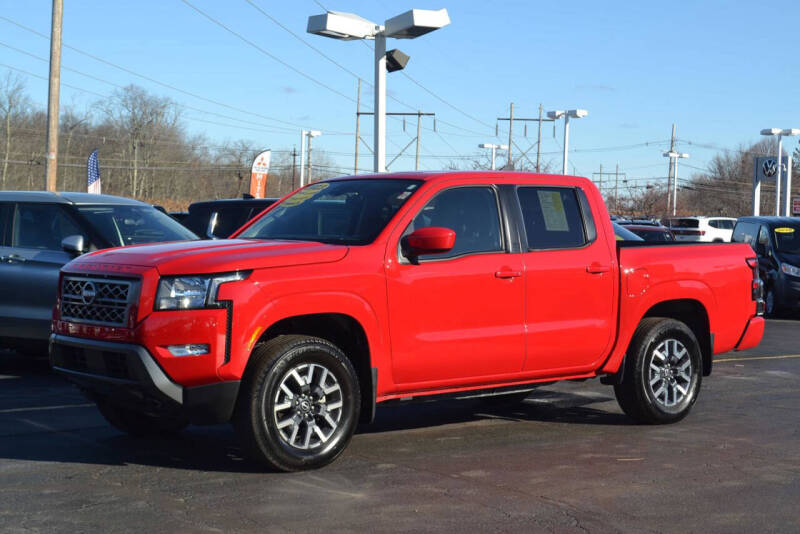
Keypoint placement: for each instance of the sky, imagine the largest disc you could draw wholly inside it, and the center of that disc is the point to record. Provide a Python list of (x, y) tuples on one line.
[(721, 71)]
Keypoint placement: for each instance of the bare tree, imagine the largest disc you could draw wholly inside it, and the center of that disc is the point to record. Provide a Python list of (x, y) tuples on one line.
[(13, 104)]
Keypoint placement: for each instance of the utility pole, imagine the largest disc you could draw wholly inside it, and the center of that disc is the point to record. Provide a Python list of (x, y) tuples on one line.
[(616, 174), (669, 171), (511, 120), (417, 139), (302, 157), (358, 116), (510, 135), (51, 163), (310, 137), (419, 131), (294, 163), (539, 141)]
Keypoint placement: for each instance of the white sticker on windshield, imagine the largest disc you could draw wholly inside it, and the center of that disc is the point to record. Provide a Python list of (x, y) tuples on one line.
[(555, 217)]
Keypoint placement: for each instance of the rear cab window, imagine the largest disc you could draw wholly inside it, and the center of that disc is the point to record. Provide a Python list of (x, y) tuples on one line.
[(555, 217)]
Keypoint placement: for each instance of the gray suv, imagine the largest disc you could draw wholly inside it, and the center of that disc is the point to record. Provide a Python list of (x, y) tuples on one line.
[(40, 232)]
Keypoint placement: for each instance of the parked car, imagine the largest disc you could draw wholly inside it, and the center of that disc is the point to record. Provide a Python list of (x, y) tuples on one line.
[(40, 232), (218, 219), (623, 234), (703, 229), (358, 290), (776, 240), (651, 232)]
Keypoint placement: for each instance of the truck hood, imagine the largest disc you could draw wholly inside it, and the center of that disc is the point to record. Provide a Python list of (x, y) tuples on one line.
[(199, 257)]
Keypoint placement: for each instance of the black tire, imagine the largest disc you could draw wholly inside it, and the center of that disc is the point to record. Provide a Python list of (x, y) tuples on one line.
[(640, 393), (139, 424), (771, 308), (273, 368)]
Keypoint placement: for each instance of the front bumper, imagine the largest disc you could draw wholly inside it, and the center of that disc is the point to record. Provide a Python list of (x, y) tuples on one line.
[(129, 375)]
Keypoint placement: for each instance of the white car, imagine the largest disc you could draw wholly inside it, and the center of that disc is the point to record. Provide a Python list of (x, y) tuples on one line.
[(705, 229)]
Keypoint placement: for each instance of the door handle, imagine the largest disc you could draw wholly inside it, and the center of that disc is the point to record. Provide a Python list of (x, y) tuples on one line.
[(507, 274), (596, 268)]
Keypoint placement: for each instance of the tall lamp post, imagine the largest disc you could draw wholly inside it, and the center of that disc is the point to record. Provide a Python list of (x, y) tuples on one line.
[(350, 27), (676, 155), (575, 114), (781, 133), (494, 150), (303, 134)]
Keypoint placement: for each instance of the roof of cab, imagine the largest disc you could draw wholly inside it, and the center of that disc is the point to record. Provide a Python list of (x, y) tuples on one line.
[(66, 198), (430, 176)]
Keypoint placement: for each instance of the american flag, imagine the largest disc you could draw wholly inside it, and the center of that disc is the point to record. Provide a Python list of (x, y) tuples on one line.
[(93, 173)]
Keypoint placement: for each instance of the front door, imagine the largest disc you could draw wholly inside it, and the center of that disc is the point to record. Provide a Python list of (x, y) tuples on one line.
[(457, 316), (30, 271)]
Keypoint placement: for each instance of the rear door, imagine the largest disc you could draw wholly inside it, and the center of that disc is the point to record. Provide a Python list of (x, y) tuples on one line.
[(31, 269), (569, 281)]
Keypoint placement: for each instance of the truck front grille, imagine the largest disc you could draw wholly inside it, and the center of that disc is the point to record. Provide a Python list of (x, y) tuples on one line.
[(96, 300)]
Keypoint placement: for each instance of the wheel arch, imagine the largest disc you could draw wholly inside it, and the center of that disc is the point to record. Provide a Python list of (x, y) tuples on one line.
[(694, 315)]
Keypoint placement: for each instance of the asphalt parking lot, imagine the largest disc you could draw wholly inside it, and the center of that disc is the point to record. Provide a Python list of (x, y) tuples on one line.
[(565, 460)]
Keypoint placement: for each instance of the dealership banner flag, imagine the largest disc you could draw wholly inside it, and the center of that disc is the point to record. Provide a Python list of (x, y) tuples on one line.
[(258, 174), (93, 174)]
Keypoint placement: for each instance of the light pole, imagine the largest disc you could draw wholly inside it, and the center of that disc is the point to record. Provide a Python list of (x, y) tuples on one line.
[(677, 155), (575, 114), (788, 132), (303, 134), (350, 27), (494, 150)]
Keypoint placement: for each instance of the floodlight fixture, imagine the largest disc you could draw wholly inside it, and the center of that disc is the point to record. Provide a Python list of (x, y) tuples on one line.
[(342, 26), (555, 114), (494, 148), (416, 22), (349, 27), (771, 131), (577, 113), (396, 60)]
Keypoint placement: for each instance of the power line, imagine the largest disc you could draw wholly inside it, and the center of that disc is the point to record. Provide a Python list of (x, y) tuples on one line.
[(155, 81)]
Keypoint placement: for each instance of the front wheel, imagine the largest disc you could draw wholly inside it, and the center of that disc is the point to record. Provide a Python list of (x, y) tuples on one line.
[(663, 372), (770, 306), (299, 403)]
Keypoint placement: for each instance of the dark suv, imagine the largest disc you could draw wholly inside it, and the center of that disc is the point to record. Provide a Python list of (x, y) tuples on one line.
[(218, 219), (776, 241), (40, 232)]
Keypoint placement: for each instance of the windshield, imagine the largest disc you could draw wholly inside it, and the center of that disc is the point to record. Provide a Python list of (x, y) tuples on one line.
[(122, 225), (351, 212), (787, 239)]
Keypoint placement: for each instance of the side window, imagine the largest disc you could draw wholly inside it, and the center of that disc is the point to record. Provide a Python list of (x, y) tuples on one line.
[(471, 212), (5, 225), (728, 225), (42, 226), (552, 217), (714, 223), (744, 233)]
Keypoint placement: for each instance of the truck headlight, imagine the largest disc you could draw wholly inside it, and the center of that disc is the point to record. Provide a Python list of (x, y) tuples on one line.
[(193, 292), (791, 270)]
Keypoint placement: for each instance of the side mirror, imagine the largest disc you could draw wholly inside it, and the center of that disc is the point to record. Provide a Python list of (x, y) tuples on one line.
[(430, 240), (74, 244)]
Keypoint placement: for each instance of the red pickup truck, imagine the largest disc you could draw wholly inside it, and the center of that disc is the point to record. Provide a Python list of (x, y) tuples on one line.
[(360, 290)]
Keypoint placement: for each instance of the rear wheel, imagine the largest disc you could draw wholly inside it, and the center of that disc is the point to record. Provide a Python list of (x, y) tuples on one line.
[(663, 372), (139, 424), (299, 403), (770, 305)]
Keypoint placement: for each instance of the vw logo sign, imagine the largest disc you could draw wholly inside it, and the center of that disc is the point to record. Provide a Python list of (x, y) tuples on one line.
[(88, 293), (769, 167)]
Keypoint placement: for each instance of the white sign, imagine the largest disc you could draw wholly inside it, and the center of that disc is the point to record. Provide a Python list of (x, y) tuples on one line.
[(796, 206)]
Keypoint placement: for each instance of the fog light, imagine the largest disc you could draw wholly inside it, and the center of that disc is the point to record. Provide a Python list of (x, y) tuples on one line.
[(188, 350)]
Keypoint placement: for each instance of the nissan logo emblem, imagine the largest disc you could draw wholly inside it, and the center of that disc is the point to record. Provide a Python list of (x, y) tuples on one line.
[(769, 167), (88, 293)]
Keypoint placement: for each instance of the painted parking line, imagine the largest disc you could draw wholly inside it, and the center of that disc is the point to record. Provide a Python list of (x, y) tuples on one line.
[(783, 357), (43, 408)]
